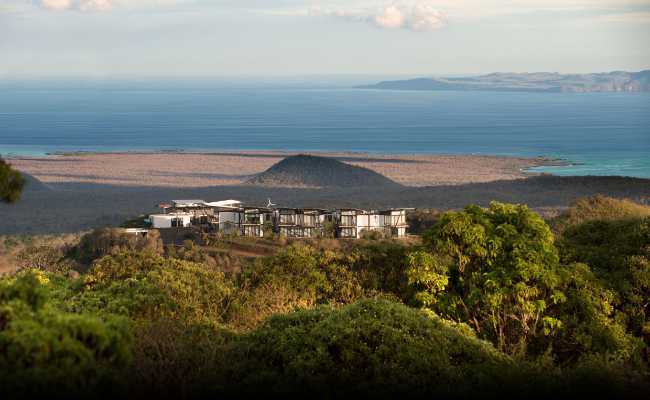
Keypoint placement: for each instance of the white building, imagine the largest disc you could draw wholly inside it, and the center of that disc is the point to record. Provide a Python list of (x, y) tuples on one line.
[(352, 223), (173, 220), (231, 217)]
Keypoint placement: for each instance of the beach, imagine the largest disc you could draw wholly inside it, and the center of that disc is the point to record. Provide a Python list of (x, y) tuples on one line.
[(146, 169)]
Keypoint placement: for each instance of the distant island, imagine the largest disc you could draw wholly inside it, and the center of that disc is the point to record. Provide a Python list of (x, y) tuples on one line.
[(618, 81)]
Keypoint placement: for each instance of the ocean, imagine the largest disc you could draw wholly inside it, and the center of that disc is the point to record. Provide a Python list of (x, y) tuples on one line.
[(596, 133)]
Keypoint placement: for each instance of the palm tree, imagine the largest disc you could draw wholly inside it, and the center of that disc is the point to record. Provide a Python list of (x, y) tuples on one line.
[(11, 183)]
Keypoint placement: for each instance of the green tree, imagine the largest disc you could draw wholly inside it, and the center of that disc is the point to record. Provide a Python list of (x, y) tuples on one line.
[(369, 347), (146, 285), (502, 269), (427, 278), (12, 183), (588, 328), (43, 348), (619, 253), (299, 276)]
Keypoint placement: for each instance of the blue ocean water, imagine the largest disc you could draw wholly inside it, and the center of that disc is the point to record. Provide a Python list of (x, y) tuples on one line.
[(599, 133)]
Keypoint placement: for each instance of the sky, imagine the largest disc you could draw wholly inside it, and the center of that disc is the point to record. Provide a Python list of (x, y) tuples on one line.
[(214, 38)]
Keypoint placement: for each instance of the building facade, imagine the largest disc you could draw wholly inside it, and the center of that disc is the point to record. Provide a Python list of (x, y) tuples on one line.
[(231, 217), (301, 222)]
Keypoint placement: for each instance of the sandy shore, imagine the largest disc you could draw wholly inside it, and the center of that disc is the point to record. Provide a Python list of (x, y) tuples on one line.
[(228, 169)]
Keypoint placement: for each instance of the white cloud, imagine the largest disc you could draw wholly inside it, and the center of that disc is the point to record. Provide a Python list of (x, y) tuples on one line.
[(55, 4), (419, 16), (95, 5), (81, 5), (425, 17), (390, 17), (415, 15), (457, 10), (102, 5)]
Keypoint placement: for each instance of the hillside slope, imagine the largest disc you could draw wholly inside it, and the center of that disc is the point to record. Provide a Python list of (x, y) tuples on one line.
[(617, 81), (313, 171)]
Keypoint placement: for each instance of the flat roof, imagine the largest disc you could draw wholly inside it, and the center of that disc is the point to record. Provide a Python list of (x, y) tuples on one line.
[(304, 209), (225, 203), (188, 203), (262, 209), (172, 215)]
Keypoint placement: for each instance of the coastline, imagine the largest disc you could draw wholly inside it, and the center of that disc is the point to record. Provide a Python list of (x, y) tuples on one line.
[(203, 169)]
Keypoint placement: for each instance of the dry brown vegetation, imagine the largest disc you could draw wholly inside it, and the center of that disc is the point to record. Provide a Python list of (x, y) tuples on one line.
[(226, 169), (599, 208), (38, 251)]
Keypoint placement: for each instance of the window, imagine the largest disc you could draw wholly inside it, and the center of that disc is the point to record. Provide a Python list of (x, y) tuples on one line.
[(252, 219), (287, 219), (348, 220), (309, 220)]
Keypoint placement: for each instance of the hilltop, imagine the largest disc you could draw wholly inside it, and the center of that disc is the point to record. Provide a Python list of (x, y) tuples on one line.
[(314, 171), (617, 81)]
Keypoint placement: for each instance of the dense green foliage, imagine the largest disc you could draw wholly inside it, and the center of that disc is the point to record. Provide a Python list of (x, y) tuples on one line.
[(502, 272), (498, 270), (619, 254), (12, 183), (491, 303), (41, 344), (371, 347), (146, 285)]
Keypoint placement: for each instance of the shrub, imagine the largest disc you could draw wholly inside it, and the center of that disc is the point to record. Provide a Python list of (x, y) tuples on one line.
[(588, 328), (370, 347), (12, 183), (380, 265), (173, 358), (422, 219), (43, 348), (44, 258), (619, 253), (371, 234), (299, 276), (147, 285), (599, 208), (105, 241)]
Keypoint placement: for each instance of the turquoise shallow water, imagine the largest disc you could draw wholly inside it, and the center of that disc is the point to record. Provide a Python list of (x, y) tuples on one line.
[(599, 133)]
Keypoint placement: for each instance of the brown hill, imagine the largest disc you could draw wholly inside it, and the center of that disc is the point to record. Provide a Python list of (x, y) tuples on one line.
[(312, 171)]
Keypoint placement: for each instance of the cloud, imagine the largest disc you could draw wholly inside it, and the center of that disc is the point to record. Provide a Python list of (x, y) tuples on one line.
[(391, 17), (103, 5), (640, 17), (55, 4), (80, 5), (420, 16), (425, 17)]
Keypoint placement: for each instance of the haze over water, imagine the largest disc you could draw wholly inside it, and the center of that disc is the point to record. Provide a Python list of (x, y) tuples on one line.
[(599, 133)]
